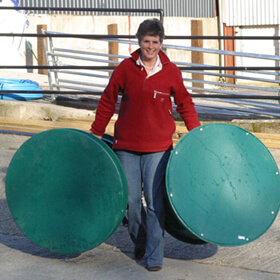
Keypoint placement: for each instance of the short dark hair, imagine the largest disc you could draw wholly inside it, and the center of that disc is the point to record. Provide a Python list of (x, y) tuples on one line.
[(151, 27)]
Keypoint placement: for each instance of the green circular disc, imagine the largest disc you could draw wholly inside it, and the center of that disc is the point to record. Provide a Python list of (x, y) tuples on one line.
[(223, 184), (175, 228), (66, 190)]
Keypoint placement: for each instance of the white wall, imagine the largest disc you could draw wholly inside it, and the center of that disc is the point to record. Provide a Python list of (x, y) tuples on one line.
[(250, 12), (12, 49), (259, 48)]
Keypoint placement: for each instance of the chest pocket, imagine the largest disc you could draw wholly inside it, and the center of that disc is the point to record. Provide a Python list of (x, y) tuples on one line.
[(161, 95), (163, 98)]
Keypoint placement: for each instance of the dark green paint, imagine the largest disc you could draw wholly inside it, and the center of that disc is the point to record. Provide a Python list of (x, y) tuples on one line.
[(223, 185), (66, 190)]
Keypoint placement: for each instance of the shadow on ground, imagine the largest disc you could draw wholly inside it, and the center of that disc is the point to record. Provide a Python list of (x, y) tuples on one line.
[(174, 248), (11, 236)]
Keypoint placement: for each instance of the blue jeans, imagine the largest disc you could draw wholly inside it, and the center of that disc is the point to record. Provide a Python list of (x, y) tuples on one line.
[(146, 172)]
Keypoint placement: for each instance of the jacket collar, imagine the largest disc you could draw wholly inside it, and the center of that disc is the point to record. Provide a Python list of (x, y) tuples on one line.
[(163, 57)]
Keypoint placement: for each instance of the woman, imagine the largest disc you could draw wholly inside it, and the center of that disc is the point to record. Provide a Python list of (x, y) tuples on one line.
[(143, 133)]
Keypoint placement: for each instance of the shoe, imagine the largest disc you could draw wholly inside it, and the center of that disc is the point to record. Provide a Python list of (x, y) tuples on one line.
[(139, 253), (154, 268)]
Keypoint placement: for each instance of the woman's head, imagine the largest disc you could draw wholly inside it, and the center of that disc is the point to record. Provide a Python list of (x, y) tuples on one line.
[(151, 27)]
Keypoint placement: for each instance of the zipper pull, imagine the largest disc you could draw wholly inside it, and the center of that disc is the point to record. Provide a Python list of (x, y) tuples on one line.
[(155, 94)]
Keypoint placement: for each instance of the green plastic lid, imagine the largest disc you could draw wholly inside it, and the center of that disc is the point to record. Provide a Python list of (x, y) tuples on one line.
[(223, 185), (66, 190)]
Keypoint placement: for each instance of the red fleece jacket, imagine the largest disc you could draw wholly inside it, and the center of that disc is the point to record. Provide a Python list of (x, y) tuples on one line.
[(145, 121)]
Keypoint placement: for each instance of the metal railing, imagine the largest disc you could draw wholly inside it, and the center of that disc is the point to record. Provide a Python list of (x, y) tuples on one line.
[(215, 97), (230, 100)]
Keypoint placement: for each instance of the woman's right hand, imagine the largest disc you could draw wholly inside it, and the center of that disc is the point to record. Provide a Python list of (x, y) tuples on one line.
[(96, 135)]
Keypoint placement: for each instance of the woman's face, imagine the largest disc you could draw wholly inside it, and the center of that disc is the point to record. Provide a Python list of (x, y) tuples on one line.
[(150, 47)]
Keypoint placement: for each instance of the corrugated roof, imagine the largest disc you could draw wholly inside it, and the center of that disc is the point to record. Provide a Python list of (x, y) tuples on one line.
[(251, 12), (176, 8)]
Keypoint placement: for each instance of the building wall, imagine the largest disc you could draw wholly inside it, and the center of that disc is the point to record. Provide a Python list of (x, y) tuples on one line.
[(175, 8), (12, 49), (126, 26), (258, 47), (250, 12), (253, 18)]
